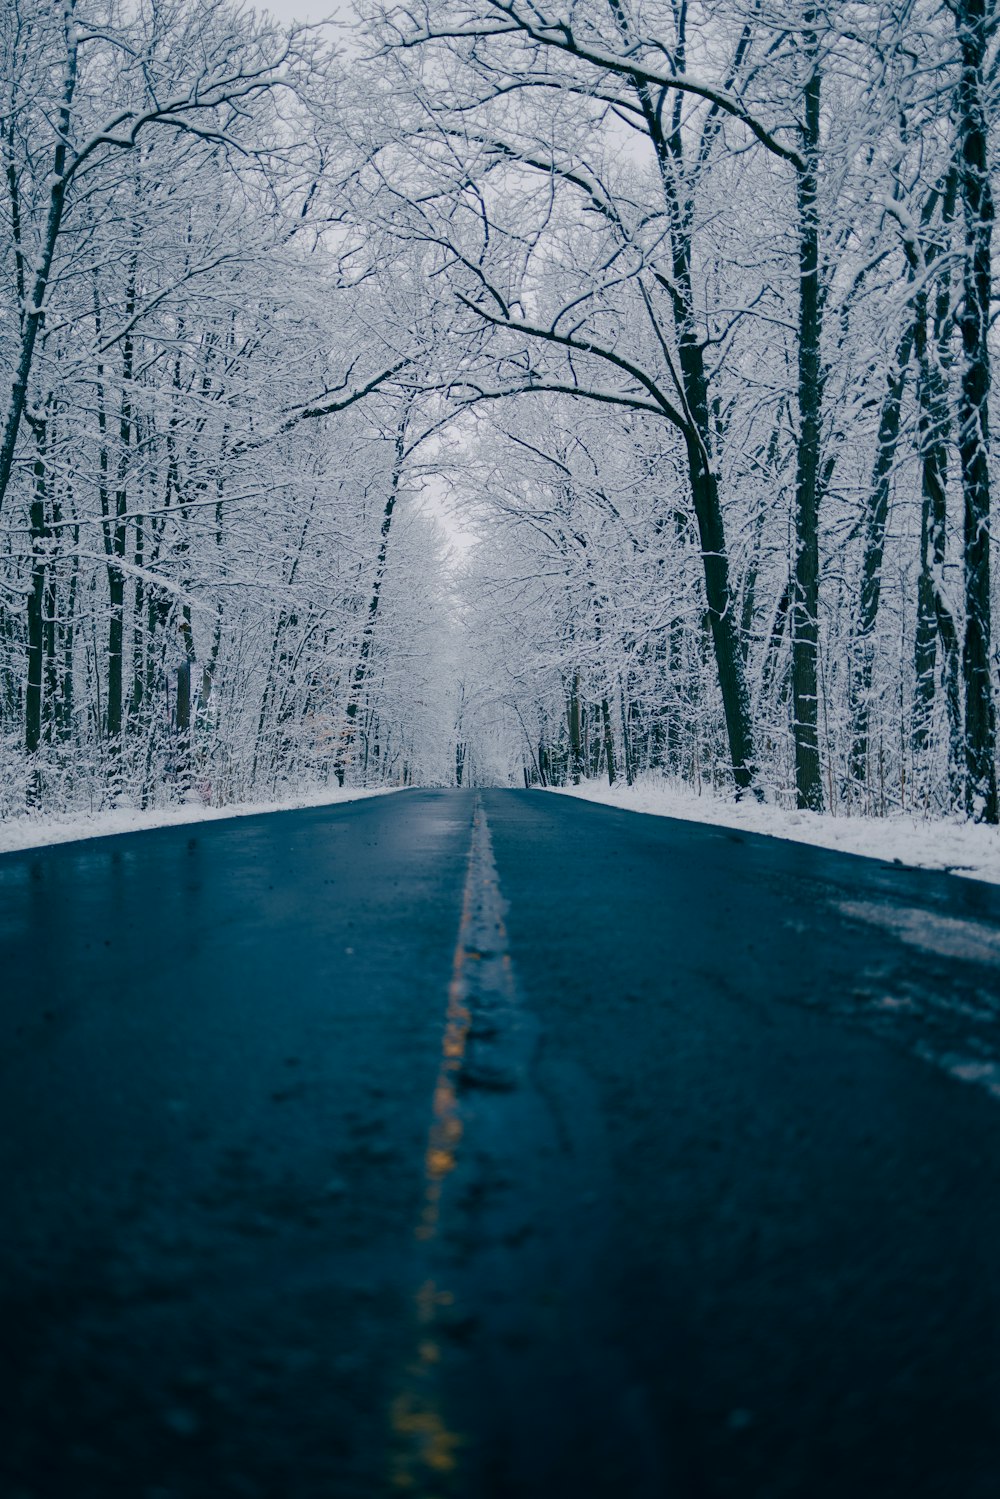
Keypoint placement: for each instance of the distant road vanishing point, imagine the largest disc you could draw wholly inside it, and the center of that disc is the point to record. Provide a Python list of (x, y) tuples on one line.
[(486, 1144)]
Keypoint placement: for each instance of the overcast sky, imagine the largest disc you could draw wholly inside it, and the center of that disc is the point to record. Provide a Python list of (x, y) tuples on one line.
[(306, 10)]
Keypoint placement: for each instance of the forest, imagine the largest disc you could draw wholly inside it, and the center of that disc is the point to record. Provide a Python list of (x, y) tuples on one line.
[(505, 392)]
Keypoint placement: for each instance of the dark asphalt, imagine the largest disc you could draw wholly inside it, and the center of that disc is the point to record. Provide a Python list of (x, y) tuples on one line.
[(392, 1148)]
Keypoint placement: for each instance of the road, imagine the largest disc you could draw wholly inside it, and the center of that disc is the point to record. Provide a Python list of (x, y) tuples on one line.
[(496, 1144)]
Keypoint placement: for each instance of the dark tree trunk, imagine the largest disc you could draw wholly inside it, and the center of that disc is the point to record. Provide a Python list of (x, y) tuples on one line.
[(116, 533), (628, 720), (722, 605), (805, 575), (116, 630), (139, 641), (974, 432), (50, 628), (934, 618), (575, 731), (39, 536), (876, 520), (368, 633), (722, 615), (67, 695), (53, 223), (183, 707), (609, 740)]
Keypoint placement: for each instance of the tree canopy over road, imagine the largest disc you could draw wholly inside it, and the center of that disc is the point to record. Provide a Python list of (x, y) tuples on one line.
[(681, 311)]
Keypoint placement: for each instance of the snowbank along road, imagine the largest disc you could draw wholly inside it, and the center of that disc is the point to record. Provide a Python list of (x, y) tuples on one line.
[(489, 1145)]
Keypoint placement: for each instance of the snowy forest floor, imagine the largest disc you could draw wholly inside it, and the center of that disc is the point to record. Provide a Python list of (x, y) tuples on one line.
[(950, 844), (36, 830)]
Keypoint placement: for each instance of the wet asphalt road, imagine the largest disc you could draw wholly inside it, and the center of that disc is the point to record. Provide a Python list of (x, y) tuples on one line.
[(400, 1148)]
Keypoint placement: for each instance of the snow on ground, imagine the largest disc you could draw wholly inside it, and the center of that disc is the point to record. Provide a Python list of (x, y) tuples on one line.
[(928, 843), (33, 831)]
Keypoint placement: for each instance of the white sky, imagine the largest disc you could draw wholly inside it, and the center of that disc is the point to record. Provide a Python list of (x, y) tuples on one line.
[(306, 10)]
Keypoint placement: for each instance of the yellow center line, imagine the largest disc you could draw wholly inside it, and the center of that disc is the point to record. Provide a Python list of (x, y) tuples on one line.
[(425, 1450)]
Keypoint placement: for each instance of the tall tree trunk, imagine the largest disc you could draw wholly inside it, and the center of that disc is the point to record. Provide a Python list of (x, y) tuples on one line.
[(805, 575), (360, 673), (39, 537), (722, 614), (575, 731), (934, 618), (974, 432), (53, 223), (722, 604), (67, 695), (609, 739), (183, 710), (116, 631), (875, 522), (139, 643), (116, 535), (51, 637), (287, 620), (628, 720)]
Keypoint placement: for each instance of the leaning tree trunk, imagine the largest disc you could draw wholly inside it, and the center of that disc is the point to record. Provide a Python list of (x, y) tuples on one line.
[(722, 613), (974, 431), (722, 603), (360, 674)]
